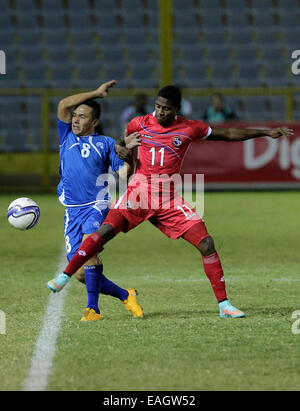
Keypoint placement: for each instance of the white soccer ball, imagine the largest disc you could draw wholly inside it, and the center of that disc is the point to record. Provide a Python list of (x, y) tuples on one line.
[(23, 213)]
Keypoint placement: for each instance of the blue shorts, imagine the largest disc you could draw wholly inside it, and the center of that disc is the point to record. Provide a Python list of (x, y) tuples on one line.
[(80, 221)]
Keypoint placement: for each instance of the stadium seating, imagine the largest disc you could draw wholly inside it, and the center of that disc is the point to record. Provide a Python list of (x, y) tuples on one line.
[(216, 43)]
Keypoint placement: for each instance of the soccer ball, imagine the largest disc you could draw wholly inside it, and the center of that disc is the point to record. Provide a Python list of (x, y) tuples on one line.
[(23, 213)]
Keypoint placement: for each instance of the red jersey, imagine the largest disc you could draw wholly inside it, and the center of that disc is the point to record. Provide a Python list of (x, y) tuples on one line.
[(151, 193), (163, 148)]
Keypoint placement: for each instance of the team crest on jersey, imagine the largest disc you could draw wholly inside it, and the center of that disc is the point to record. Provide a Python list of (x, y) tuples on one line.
[(177, 141)]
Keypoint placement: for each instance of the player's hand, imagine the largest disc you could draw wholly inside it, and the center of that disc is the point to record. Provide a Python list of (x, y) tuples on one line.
[(103, 89), (122, 152), (132, 140), (280, 132)]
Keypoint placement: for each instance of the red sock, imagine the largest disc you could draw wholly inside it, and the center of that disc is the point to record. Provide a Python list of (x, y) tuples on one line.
[(213, 270), (89, 247)]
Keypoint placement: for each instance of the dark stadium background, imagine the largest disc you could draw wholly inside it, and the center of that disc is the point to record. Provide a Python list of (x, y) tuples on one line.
[(55, 47)]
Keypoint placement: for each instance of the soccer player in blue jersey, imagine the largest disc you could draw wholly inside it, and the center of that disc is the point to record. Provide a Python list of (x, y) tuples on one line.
[(85, 156)]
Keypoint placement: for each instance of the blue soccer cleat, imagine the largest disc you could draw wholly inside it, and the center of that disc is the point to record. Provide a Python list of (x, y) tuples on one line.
[(58, 283), (227, 310)]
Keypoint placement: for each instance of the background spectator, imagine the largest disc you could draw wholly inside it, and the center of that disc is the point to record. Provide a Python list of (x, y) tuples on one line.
[(217, 112), (138, 107)]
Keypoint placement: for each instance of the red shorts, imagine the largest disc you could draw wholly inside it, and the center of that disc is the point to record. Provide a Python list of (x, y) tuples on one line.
[(173, 217)]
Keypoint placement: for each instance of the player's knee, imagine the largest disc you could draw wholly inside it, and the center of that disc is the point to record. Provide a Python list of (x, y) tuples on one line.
[(94, 261), (207, 246), (114, 223), (106, 231), (80, 276)]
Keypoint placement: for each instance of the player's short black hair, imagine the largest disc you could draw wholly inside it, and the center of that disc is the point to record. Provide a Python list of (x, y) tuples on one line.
[(171, 93), (95, 106)]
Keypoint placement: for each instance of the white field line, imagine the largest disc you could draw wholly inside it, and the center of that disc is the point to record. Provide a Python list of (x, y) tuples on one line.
[(45, 345), (205, 279), (232, 279)]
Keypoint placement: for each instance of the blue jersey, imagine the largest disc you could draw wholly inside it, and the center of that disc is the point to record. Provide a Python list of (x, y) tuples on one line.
[(83, 162)]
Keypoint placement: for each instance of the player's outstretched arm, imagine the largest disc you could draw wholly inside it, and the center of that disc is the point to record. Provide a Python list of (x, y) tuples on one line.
[(124, 154), (120, 149), (126, 143), (127, 153), (125, 171), (65, 105), (241, 134), (132, 140)]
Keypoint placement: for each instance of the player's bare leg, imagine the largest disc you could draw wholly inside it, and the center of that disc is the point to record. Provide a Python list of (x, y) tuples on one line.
[(213, 269), (80, 275)]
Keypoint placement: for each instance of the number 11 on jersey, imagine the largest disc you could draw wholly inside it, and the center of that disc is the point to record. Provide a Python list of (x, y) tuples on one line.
[(162, 155)]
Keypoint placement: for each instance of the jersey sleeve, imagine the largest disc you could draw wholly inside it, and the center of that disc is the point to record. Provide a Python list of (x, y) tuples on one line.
[(134, 125), (201, 130), (114, 161), (63, 130)]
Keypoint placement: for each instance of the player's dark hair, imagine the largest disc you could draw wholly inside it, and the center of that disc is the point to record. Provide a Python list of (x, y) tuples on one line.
[(171, 93), (95, 106)]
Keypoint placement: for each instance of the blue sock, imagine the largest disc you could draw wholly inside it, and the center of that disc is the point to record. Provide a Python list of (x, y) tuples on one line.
[(109, 288), (92, 281)]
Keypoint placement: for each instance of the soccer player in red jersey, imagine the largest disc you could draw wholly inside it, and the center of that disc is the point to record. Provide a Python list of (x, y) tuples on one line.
[(161, 140)]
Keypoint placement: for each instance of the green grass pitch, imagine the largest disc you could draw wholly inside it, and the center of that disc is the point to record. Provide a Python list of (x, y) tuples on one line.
[(181, 344)]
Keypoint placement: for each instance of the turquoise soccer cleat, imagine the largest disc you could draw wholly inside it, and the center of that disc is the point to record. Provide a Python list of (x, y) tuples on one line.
[(58, 283), (227, 310)]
